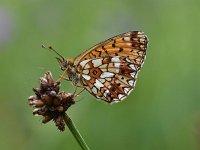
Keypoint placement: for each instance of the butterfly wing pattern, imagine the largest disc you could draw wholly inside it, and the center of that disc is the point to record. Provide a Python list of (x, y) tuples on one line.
[(109, 70)]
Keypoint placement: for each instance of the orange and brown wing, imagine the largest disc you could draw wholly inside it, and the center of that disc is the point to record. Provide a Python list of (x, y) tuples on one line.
[(132, 44), (109, 70), (110, 78)]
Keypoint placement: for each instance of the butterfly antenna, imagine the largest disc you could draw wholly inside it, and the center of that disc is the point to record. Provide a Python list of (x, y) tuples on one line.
[(52, 49)]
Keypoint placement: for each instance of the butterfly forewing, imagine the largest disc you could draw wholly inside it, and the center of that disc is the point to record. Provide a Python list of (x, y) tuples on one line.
[(109, 69), (131, 44)]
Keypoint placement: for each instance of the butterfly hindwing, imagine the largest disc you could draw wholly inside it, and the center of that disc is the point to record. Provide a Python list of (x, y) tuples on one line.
[(109, 78)]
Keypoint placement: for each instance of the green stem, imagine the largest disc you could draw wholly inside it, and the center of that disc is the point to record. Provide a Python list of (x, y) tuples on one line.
[(75, 132)]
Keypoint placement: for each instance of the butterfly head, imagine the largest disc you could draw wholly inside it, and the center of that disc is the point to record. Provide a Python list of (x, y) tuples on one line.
[(67, 65), (63, 63)]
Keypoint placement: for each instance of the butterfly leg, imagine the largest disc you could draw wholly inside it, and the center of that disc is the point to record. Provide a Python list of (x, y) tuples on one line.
[(76, 94), (62, 77)]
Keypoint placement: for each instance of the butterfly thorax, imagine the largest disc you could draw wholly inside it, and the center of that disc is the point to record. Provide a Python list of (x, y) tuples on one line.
[(72, 74)]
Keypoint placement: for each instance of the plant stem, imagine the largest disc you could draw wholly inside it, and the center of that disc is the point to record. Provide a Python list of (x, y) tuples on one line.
[(75, 132)]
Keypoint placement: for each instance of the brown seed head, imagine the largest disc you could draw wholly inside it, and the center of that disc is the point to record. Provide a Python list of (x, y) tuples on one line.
[(49, 102)]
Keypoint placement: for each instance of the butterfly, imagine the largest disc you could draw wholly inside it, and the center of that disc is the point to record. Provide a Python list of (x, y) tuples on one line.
[(109, 69)]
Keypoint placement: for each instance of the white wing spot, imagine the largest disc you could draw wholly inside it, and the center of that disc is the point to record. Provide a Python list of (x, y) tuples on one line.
[(87, 66), (126, 38), (133, 74), (97, 62), (108, 79), (98, 98), (86, 77), (94, 90), (140, 32), (132, 66), (130, 82), (84, 62), (98, 84), (142, 40), (126, 90), (102, 80), (107, 75), (104, 69), (115, 101), (129, 44), (117, 71), (86, 71), (117, 65), (135, 39), (105, 93), (142, 46), (115, 59), (120, 96), (128, 60), (103, 66)]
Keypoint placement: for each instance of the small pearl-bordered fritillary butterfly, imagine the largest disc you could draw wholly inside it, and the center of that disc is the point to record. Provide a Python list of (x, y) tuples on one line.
[(108, 70)]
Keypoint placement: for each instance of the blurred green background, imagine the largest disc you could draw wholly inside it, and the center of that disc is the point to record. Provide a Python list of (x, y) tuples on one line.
[(163, 112)]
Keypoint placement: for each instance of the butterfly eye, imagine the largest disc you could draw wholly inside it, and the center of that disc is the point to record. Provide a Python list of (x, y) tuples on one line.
[(63, 64), (62, 68)]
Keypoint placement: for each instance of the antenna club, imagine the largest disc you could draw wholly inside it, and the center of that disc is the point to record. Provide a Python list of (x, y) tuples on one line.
[(51, 48)]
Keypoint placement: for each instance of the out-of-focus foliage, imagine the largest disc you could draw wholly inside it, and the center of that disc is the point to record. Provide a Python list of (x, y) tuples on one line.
[(163, 112)]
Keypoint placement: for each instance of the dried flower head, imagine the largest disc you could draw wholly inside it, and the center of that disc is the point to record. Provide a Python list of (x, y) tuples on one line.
[(49, 102)]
